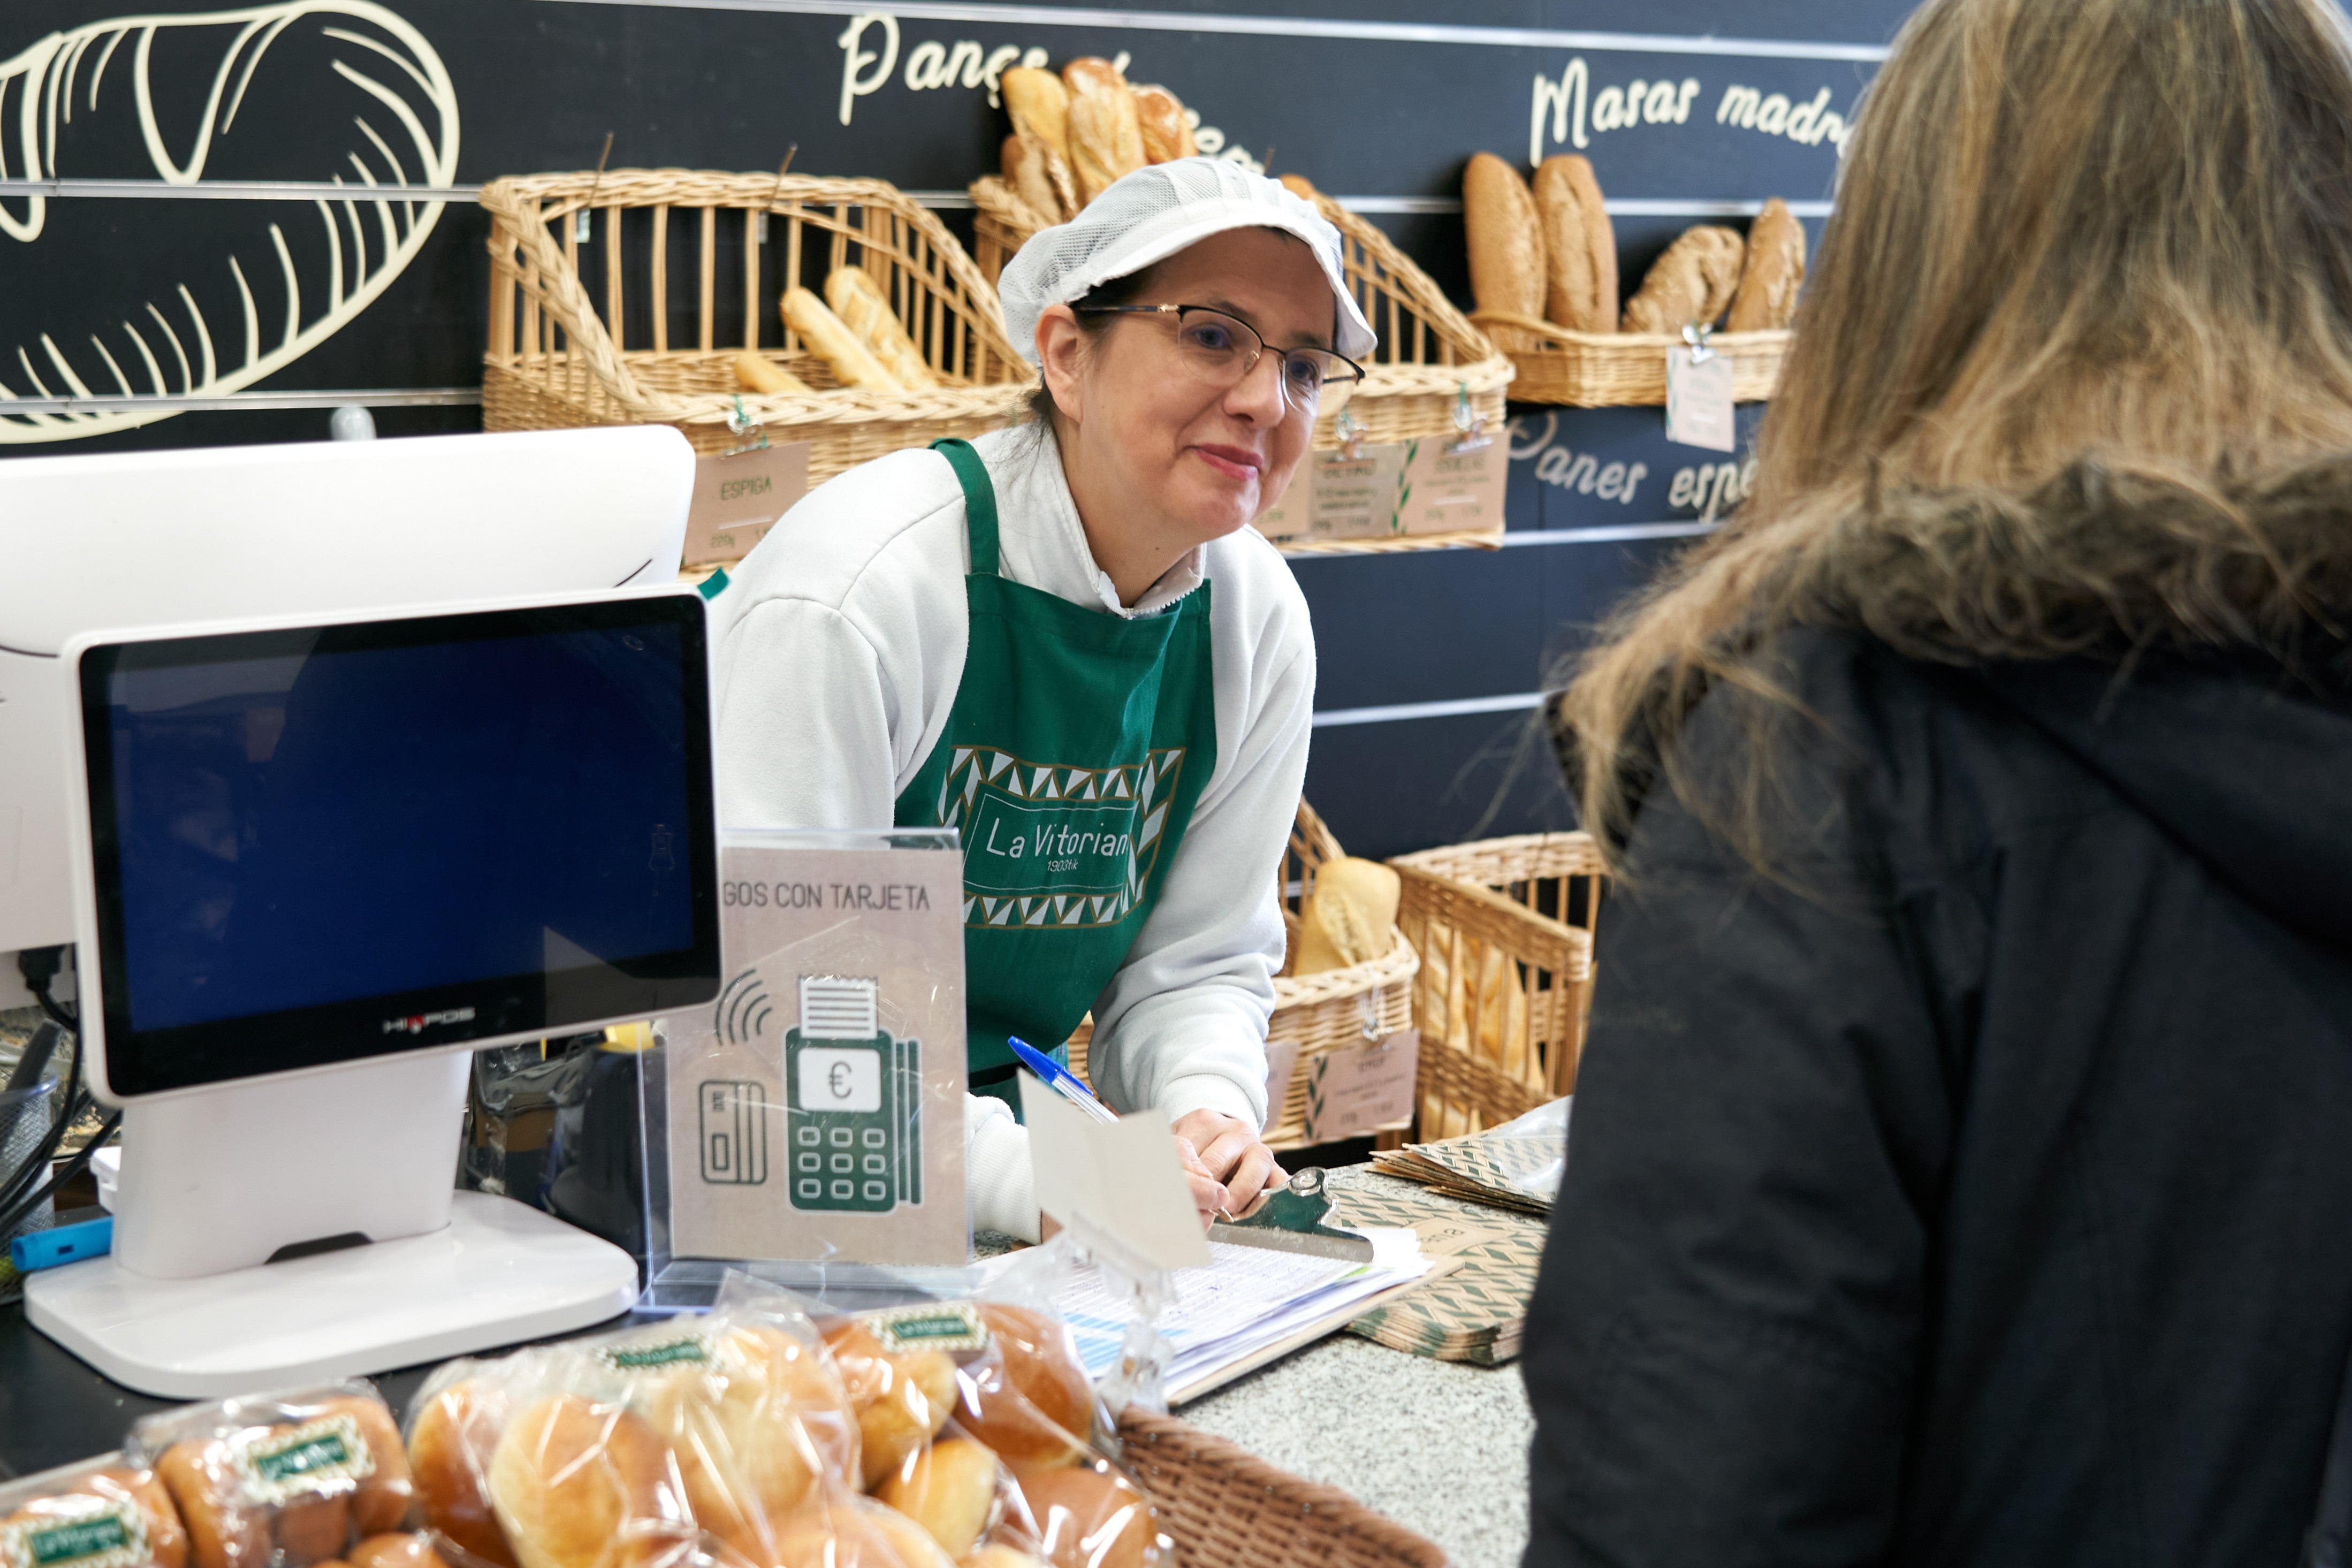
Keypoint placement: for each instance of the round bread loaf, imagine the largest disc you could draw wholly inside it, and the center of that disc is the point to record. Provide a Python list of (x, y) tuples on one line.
[(1579, 247), (449, 1452), (1690, 284), (849, 1532), (1028, 1398), (380, 1500), (222, 1533), (399, 1549), (578, 1485), (949, 1488), (104, 1511), (902, 1398), (744, 1427), (312, 1530), (1774, 272), (1089, 1518), (1506, 258), (1350, 918)]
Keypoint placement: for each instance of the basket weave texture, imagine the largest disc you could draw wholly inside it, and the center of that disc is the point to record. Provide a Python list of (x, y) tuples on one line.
[(1611, 369), (1317, 1012), (1227, 1508), (1505, 929), (1430, 355), (559, 357)]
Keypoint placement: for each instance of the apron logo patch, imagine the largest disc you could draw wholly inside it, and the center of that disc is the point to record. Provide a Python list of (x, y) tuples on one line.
[(1052, 845)]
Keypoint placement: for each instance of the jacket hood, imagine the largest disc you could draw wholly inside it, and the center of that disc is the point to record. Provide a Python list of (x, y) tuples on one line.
[(2251, 771), (2183, 640)]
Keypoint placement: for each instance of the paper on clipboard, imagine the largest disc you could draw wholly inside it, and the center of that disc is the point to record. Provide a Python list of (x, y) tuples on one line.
[(1119, 1180)]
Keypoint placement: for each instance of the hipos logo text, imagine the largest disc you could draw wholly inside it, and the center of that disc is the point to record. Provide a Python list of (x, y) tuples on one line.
[(417, 1023)]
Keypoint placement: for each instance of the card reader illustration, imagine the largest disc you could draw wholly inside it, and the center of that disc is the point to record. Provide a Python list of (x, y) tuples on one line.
[(734, 1133), (853, 1097)]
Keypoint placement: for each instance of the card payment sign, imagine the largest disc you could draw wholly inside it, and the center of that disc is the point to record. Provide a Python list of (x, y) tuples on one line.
[(854, 1102)]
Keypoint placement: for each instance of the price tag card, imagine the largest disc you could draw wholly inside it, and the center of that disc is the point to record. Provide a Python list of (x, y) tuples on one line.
[(1446, 491), (1698, 401), (815, 1111), (738, 499), (1362, 1088), (1291, 517), (1356, 498)]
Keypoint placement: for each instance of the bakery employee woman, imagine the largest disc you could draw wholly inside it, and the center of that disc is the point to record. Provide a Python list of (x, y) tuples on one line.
[(1065, 640)]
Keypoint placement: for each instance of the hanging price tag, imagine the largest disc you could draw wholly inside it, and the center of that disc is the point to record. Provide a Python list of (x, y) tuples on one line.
[(1356, 1090), (737, 498), (1698, 396)]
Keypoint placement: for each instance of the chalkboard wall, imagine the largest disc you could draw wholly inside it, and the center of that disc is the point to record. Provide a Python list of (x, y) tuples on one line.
[(169, 224)]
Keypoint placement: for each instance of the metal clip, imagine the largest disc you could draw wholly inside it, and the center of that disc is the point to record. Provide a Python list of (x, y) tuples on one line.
[(1696, 334), (742, 424), (1469, 422), (1351, 437)]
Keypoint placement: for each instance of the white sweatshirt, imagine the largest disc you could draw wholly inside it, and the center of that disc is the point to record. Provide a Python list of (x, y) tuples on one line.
[(841, 642)]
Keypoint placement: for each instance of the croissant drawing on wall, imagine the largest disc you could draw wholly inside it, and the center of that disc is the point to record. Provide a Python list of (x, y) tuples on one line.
[(371, 110)]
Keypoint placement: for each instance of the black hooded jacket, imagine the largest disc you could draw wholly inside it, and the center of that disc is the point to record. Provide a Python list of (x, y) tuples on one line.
[(1983, 1194)]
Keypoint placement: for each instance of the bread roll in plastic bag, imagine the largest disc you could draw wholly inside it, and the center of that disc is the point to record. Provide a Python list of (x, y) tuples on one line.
[(107, 1519), (979, 1425), (658, 1445), (280, 1481)]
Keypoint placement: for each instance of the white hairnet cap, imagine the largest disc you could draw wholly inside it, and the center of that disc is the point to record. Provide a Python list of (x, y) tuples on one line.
[(1150, 215)]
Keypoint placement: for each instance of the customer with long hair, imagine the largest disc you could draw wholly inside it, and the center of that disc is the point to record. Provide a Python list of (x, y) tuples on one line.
[(1962, 1168)]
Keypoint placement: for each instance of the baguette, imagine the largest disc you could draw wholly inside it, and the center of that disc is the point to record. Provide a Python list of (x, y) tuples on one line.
[(1774, 273), (1167, 135), (1106, 131), (1039, 107), (853, 364), (754, 371), (859, 302), (1507, 256), (1690, 284), (1025, 177), (1579, 247)]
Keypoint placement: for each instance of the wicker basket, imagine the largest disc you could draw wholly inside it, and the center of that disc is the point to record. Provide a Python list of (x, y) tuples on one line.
[(558, 357), (1321, 1012), (1610, 370), (1430, 358), (1226, 1509), (1505, 929)]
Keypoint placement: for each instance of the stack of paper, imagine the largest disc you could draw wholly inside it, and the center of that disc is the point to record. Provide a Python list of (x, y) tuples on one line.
[(1514, 1166), (1249, 1305), (1476, 1314)]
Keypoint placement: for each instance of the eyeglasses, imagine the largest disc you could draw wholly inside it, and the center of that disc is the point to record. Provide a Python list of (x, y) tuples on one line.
[(1221, 350)]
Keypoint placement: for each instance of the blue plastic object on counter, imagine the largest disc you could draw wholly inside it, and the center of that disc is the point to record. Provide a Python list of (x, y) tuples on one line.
[(62, 1244)]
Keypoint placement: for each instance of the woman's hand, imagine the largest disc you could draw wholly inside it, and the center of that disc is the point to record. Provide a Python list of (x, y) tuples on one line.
[(1225, 1164)]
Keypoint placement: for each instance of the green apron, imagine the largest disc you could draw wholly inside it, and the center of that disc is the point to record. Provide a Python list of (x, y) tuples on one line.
[(1077, 747)]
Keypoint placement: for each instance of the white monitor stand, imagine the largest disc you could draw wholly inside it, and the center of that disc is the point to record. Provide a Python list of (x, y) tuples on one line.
[(213, 1184)]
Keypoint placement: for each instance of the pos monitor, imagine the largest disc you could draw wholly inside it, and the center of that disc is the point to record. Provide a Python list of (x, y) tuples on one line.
[(314, 862)]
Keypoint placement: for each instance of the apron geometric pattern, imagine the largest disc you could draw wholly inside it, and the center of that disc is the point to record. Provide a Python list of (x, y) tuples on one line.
[(976, 774)]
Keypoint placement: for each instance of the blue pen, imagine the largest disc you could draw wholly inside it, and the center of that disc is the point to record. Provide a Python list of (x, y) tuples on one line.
[(62, 1244), (1061, 1080)]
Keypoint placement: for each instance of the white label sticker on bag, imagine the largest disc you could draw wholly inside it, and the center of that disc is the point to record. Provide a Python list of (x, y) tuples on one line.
[(1698, 400)]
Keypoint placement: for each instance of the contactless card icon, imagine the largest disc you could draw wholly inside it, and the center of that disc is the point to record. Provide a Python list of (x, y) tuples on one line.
[(734, 1133), (854, 1099)]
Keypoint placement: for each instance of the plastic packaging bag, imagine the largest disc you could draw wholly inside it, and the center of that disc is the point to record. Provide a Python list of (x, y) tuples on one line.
[(107, 1519), (657, 1446), (979, 1424), (281, 1480)]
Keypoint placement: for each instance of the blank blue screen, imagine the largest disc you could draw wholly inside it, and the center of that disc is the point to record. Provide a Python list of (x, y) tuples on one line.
[(342, 825)]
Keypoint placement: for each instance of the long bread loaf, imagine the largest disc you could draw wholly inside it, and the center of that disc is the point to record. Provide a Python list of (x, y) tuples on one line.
[(1106, 131), (853, 364), (1579, 247), (1507, 256), (1167, 135), (1039, 107), (1690, 284), (859, 302), (1774, 272)]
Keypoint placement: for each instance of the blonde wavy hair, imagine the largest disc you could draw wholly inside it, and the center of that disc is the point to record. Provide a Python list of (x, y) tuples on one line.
[(2073, 374)]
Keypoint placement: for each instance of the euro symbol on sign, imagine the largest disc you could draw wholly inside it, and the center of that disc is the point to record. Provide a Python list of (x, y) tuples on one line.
[(837, 1080)]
